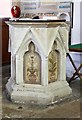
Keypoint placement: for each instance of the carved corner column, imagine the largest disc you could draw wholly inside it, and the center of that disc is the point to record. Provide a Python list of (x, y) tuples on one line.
[(38, 62), (63, 67), (13, 67), (19, 70), (44, 72)]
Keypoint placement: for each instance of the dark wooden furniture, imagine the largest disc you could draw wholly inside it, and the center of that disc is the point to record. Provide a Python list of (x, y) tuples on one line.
[(4, 32), (0, 42), (77, 73)]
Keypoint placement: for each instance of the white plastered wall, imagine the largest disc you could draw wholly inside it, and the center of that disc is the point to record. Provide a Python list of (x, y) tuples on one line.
[(76, 37)]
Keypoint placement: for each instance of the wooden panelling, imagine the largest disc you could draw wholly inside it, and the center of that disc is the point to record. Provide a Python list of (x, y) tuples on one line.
[(4, 31)]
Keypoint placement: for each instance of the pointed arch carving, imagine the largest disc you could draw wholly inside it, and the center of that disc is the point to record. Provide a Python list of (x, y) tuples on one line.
[(53, 64), (32, 65)]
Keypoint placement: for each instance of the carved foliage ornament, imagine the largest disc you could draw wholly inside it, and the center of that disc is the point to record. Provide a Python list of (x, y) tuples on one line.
[(52, 65), (32, 66)]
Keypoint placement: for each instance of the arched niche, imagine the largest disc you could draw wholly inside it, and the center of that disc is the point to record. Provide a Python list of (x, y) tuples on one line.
[(32, 66), (53, 64), (64, 15)]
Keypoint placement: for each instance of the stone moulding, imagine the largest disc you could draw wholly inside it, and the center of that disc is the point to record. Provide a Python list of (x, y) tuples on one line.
[(38, 94), (43, 38)]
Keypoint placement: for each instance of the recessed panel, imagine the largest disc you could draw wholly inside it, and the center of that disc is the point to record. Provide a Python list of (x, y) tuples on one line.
[(53, 65), (32, 66)]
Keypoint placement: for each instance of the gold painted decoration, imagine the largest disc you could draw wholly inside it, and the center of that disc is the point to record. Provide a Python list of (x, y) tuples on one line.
[(32, 66), (52, 65)]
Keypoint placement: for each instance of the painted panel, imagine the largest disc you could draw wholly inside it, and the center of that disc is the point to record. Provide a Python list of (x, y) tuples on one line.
[(32, 66)]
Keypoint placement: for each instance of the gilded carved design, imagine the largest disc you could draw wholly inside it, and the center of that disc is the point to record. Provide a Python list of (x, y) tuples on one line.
[(52, 65), (32, 66)]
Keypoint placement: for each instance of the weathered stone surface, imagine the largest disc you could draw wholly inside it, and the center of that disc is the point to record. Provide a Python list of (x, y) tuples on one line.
[(67, 108), (38, 62)]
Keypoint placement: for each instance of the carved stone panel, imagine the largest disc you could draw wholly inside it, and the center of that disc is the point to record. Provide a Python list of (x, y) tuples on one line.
[(53, 65), (32, 66)]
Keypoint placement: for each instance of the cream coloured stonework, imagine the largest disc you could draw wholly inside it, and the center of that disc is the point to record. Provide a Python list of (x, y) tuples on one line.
[(34, 47), (53, 62), (32, 66)]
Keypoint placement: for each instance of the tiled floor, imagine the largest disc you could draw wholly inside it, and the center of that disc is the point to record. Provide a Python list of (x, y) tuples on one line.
[(68, 108)]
